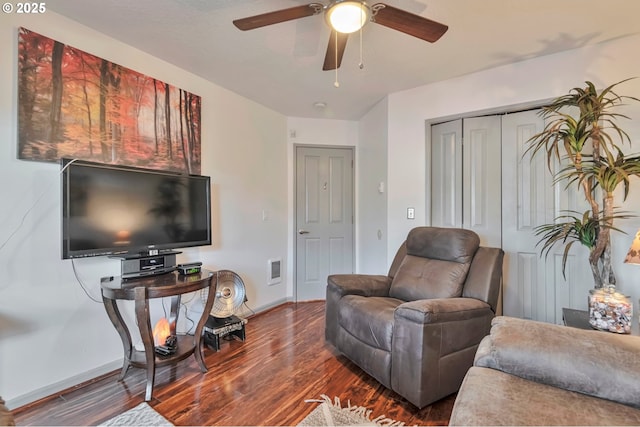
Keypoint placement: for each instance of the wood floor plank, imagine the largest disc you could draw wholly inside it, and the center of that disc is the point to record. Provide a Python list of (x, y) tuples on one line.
[(262, 381)]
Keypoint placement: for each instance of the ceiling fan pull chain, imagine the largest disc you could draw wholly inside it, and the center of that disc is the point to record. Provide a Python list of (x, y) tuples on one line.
[(336, 83), (361, 64)]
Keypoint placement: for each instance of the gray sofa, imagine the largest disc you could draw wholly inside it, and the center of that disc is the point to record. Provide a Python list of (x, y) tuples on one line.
[(534, 373), (6, 419), (416, 330)]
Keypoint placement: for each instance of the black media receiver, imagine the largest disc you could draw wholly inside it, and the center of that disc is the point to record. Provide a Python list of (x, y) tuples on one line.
[(141, 266)]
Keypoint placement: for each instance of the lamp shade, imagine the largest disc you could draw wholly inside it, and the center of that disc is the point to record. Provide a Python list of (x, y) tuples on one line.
[(633, 256), (347, 16)]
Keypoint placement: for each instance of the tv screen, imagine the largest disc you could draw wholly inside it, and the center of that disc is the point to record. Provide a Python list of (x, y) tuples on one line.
[(118, 210)]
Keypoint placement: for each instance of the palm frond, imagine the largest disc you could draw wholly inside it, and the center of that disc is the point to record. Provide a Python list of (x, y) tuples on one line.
[(574, 227)]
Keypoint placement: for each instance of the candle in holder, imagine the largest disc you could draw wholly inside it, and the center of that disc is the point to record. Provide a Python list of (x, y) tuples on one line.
[(610, 311)]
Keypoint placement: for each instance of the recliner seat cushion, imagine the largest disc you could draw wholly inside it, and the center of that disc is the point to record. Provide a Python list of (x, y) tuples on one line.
[(369, 319)]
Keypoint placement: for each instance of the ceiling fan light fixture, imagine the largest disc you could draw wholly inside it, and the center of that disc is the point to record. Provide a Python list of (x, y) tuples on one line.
[(347, 16)]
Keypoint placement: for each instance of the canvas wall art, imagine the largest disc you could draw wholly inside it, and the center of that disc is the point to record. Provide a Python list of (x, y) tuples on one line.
[(73, 104)]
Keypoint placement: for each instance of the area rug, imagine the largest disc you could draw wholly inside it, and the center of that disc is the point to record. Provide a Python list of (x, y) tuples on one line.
[(331, 413), (328, 413), (141, 415)]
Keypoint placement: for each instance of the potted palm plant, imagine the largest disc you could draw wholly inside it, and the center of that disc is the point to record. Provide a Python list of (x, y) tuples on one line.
[(584, 150), (583, 137)]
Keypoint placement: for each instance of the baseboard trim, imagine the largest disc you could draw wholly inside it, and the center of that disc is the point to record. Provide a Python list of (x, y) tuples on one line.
[(52, 389), (272, 305)]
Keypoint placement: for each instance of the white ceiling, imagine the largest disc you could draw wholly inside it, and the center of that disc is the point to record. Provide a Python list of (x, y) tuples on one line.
[(280, 66)]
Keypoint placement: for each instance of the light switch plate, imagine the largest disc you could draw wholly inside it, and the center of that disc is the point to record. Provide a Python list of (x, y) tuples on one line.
[(411, 213)]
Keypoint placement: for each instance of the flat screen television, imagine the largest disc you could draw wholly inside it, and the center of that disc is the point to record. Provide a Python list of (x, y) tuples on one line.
[(120, 210)]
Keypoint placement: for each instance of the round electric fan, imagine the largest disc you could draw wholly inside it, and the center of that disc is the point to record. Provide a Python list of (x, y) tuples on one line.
[(230, 294)]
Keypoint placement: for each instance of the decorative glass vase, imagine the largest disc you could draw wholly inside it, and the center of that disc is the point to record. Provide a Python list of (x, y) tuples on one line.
[(610, 310)]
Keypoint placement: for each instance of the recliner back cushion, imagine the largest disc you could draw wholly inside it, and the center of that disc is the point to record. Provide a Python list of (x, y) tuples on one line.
[(436, 264)]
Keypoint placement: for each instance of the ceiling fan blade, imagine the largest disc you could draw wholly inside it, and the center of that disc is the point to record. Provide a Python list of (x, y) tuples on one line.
[(277, 16), (331, 60), (407, 22)]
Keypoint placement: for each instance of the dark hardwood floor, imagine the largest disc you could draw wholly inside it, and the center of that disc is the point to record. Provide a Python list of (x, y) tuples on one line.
[(262, 381)]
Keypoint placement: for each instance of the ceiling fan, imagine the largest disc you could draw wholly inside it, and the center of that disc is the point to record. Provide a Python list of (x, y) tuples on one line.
[(347, 16)]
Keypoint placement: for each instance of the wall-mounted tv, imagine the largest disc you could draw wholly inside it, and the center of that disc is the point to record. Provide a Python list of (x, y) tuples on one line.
[(119, 210)]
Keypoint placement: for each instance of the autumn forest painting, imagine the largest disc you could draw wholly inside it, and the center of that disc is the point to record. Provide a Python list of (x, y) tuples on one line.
[(73, 104)]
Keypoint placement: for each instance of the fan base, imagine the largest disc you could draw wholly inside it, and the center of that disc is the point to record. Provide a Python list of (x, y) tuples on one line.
[(217, 327)]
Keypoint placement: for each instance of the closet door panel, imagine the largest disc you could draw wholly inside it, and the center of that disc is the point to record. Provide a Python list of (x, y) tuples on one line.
[(446, 174), (526, 203), (481, 183)]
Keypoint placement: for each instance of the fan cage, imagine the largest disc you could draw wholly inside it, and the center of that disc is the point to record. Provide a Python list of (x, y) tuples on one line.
[(230, 294)]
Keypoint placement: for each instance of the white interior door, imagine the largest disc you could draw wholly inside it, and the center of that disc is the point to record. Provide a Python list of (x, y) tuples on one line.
[(324, 218)]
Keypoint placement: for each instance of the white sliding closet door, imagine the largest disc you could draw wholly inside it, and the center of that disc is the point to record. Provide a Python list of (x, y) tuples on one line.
[(481, 179), (446, 174), (465, 177), (534, 287), (527, 202)]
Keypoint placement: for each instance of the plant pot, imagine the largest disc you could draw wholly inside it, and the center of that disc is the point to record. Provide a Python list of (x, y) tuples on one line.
[(610, 310)]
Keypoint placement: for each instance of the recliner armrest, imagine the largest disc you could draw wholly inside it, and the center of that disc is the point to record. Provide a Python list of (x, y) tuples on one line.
[(442, 310), (339, 285), (434, 341), (600, 364), (367, 285)]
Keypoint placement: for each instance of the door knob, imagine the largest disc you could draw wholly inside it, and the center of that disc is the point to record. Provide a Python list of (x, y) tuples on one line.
[(301, 231)]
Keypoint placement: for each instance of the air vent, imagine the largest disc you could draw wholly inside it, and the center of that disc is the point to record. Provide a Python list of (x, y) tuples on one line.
[(274, 271)]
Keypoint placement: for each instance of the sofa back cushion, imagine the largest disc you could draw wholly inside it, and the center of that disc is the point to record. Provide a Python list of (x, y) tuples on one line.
[(436, 263)]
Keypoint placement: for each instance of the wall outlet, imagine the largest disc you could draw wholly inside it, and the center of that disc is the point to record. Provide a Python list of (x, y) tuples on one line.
[(411, 213)]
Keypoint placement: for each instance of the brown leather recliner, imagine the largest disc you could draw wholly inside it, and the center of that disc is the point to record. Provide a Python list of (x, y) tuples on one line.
[(416, 330)]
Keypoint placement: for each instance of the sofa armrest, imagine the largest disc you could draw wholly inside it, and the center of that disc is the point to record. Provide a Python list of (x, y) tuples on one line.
[(442, 310), (599, 364), (6, 419)]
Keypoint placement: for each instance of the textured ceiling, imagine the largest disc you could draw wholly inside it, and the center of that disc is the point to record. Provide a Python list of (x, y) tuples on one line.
[(280, 66)]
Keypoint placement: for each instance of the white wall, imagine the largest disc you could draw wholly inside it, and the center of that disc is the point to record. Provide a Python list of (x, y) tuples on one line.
[(52, 335), (371, 175), (369, 137), (494, 90)]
